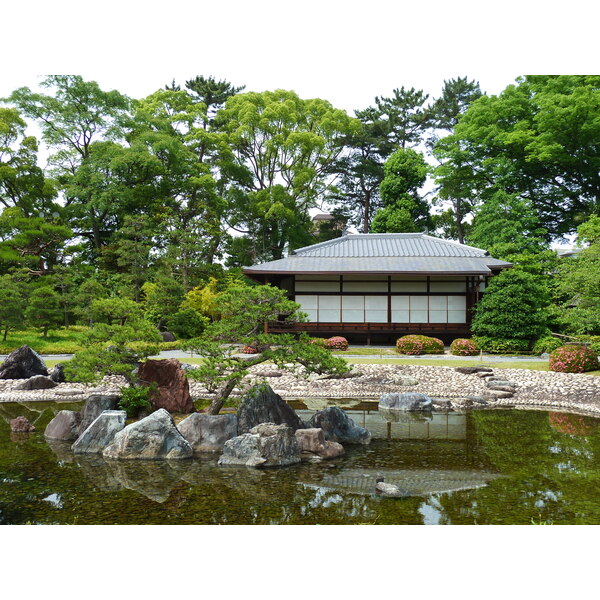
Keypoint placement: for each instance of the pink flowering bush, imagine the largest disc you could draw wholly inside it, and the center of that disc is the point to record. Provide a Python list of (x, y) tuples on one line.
[(419, 344), (464, 347), (573, 359), (337, 343), (256, 349), (321, 342)]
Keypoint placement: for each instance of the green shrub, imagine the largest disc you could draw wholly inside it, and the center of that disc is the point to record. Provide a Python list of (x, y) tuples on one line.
[(593, 341), (337, 343), (513, 306), (320, 342), (419, 344), (501, 345), (134, 399), (573, 359), (186, 324), (547, 343), (464, 347)]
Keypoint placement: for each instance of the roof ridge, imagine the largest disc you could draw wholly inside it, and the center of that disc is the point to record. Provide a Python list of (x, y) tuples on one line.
[(455, 243)]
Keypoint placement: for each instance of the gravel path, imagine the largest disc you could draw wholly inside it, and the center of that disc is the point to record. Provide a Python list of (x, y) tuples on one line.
[(565, 391)]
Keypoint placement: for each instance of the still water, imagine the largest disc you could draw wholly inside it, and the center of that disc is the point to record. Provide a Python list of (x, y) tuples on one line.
[(483, 467)]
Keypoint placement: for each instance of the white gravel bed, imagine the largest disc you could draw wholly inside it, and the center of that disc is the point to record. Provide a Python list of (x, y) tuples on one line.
[(576, 392)]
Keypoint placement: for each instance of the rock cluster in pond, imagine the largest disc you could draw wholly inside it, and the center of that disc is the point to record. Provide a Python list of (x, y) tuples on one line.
[(262, 405), (22, 363), (496, 387), (173, 393), (100, 433), (151, 438), (64, 426), (338, 427), (21, 425), (408, 401), (314, 446), (208, 433), (266, 445)]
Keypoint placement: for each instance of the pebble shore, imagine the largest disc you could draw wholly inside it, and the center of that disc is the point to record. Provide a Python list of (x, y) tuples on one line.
[(534, 389)]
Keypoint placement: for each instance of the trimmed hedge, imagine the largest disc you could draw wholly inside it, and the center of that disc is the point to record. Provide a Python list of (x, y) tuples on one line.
[(547, 344), (501, 345), (573, 359), (464, 347), (419, 344)]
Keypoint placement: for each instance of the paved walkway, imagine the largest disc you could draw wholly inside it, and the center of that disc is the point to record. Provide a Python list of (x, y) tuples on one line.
[(487, 358)]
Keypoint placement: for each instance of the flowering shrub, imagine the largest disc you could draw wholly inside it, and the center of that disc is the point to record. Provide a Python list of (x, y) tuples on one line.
[(256, 349), (572, 424), (321, 342), (419, 344), (464, 347), (336, 343), (573, 359)]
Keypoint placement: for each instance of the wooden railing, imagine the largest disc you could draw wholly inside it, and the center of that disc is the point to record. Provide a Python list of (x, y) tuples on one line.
[(404, 328)]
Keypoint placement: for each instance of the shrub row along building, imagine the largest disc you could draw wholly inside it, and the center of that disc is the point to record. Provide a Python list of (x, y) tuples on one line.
[(382, 286)]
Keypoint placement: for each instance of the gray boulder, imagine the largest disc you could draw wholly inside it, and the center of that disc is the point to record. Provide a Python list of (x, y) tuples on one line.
[(152, 438), (22, 363), (94, 406), (64, 426), (57, 373), (37, 382), (208, 433), (315, 447), (410, 401), (167, 336), (472, 370), (261, 404), (266, 445), (100, 433), (339, 427)]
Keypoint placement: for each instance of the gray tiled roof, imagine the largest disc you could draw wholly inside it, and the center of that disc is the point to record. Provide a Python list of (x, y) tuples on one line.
[(388, 244), (385, 253)]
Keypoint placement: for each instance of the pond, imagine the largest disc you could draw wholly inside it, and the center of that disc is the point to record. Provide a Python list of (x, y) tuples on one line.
[(482, 467)]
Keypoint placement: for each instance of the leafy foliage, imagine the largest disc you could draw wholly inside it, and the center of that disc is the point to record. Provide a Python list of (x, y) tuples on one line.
[(135, 399), (513, 306), (419, 344)]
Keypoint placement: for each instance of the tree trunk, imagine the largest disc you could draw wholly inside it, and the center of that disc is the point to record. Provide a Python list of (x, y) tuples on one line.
[(5, 334), (217, 404)]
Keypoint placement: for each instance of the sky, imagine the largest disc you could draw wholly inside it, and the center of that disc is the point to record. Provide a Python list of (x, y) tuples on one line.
[(346, 52)]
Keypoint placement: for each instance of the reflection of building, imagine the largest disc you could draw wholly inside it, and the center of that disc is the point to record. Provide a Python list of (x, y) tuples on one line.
[(411, 426), (387, 284), (414, 482)]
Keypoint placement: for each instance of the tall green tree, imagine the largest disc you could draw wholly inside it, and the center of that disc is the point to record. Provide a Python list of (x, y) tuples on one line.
[(12, 305), (537, 139), (282, 148), (43, 309), (404, 209)]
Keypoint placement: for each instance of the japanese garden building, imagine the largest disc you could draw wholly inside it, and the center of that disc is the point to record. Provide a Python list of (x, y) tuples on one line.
[(382, 285)]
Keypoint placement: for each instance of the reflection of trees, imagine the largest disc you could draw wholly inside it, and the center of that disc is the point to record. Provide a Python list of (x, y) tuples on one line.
[(548, 475)]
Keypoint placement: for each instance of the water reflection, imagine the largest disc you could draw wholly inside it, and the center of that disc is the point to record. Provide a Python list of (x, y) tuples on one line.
[(481, 467)]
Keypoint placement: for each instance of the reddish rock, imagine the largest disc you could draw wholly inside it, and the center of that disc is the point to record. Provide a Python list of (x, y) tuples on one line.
[(173, 392), (21, 425), (313, 444)]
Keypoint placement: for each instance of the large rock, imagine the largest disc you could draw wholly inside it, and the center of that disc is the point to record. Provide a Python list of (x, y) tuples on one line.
[(411, 401), (37, 382), (261, 404), (472, 370), (22, 363), (314, 446), (57, 373), (173, 393), (94, 406), (21, 425), (167, 336), (339, 427), (154, 437), (266, 445), (208, 433), (64, 426), (100, 432)]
